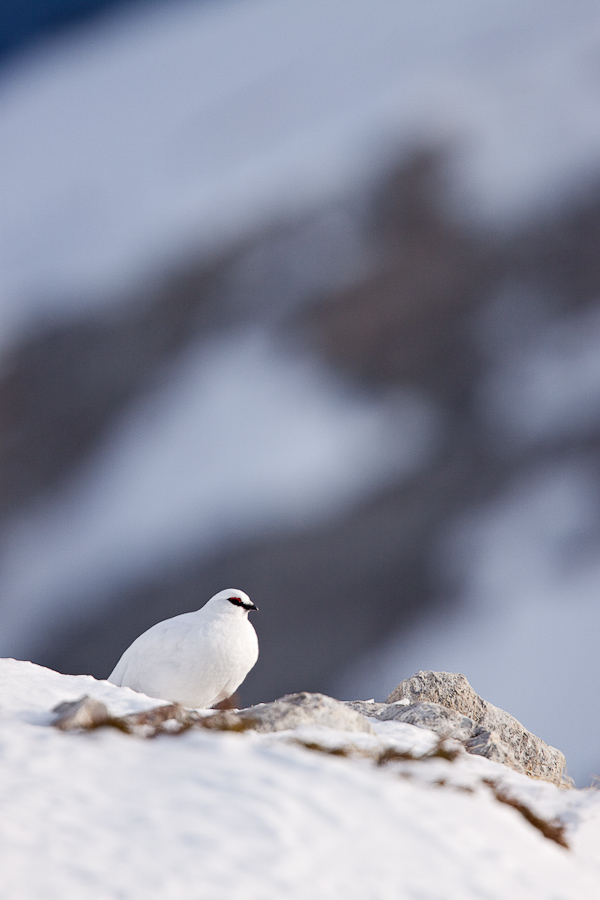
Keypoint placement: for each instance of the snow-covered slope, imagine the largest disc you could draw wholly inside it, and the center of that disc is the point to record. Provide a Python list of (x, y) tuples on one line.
[(219, 815)]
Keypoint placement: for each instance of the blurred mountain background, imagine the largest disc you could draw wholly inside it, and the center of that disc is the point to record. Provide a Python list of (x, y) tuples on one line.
[(304, 298), (23, 22)]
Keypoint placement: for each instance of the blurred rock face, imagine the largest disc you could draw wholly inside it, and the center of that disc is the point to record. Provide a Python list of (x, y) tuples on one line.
[(409, 321), (432, 310)]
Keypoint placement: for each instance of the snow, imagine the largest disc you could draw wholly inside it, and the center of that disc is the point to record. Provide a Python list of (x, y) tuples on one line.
[(215, 815)]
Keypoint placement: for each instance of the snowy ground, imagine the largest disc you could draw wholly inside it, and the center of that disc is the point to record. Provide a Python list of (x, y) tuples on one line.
[(214, 815)]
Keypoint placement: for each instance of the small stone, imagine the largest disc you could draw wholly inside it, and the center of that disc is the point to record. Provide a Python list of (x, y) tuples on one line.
[(80, 715)]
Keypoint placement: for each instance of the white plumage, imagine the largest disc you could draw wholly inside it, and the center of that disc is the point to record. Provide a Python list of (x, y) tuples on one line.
[(196, 659)]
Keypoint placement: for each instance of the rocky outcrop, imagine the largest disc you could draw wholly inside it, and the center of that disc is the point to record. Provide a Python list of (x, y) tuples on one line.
[(287, 713), (442, 702), (446, 703)]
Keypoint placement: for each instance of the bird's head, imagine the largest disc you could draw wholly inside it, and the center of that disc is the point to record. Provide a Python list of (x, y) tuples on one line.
[(231, 597)]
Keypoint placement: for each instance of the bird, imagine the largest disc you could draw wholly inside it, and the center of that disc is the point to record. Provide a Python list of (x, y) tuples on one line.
[(196, 659)]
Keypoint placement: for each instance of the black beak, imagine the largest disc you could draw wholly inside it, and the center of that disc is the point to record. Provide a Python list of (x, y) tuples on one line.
[(252, 606)]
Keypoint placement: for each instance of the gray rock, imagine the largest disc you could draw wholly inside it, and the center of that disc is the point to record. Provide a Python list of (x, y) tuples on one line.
[(490, 745), (495, 734), (368, 707), (450, 689), (443, 721), (305, 709)]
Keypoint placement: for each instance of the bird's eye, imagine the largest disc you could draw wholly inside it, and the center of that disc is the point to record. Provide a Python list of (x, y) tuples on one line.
[(237, 601)]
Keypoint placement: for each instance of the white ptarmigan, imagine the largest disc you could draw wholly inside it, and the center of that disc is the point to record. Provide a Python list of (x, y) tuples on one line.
[(196, 659)]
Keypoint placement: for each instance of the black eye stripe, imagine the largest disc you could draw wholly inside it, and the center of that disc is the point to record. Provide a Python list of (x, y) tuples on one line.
[(237, 601)]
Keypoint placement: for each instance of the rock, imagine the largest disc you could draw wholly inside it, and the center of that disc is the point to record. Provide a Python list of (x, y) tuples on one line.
[(367, 707), (489, 744), (449, 689), (305, 709), (83, 714), (444, 722), (494, 734)]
